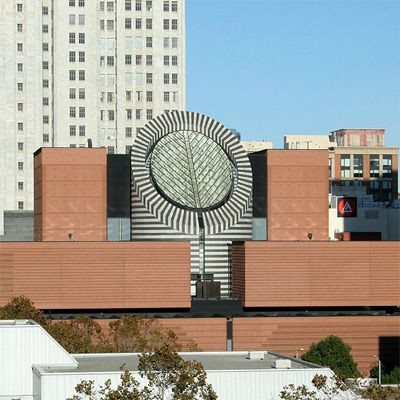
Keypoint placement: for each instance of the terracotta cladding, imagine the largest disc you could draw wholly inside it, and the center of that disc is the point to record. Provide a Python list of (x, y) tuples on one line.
[(317, 274), (297, 194), (288, 335), (70, 194), (95, 275)]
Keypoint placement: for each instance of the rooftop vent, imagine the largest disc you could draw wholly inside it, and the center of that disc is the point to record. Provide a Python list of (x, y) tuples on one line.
[(282, 363), (256, 355)]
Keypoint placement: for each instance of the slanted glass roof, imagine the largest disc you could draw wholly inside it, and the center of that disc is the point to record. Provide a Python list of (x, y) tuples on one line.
[(192, 170)]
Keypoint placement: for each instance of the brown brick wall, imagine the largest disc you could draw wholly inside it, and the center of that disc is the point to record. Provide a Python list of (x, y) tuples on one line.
[(93, 275), (317, 274)]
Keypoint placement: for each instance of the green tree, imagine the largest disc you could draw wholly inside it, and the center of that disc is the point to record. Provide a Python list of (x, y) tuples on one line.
[(332, 352), (166, 375)]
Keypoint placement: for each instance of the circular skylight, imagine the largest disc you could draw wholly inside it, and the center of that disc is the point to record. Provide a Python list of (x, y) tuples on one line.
[(191, 170)]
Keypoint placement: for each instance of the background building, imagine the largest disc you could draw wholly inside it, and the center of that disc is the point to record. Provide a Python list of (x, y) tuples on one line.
[(76, 70)]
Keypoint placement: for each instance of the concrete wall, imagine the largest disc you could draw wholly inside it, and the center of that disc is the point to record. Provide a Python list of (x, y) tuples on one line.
[(18, 226)]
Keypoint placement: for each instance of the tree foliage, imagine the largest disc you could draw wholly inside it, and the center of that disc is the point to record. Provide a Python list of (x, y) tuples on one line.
[(332, 352), (390, 378)]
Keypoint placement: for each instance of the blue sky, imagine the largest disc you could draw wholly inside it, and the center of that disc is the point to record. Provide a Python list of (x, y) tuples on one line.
[(268, 68)]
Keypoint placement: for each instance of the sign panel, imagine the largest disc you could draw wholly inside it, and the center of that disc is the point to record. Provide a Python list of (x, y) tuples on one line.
[(347, 207)]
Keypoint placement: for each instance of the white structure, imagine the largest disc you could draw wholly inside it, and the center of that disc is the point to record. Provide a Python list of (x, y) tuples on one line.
[(34, 366), (253, 147), (307, 142), (74, 70)]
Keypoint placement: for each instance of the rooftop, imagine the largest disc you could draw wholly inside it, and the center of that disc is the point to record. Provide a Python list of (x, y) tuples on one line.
[(217, 361)]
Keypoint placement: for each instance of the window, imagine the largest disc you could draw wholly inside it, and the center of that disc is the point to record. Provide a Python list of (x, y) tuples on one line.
[(128, 95), (81, 56), (358, 166), (138, 5), (166, 60), (374, 189), (72, 93), (19, 7), (387, 166), (110, 149), (138, 59), (128, 59), (110, 97), (72, 75), (174, 6), (81, 75), (166, 97), (72, 3), (19, 27), (174, 60), (45, 28), (45, 101), (72, 146), (374, 166), (71, 56), (20, 47), (138, 131), (81, 3), (82, 130), (166, 24), (149, 96), (149, 23), (20, 166), (345, 166), (128, 23), (20, 146), (45, 10), (174, 43), (20, 106), (138, 42), (81, 38), (72, 112), (149, 77), (45, 46), (102, 24), (128, 5), (128, 149), (20, 86), (149, 5), (82, 93), (102, 6), (71, 19), (128, 132), (102, 61), (20, 185), (82, 112), (72, 130), (71, 38), (20, 67), (81, 19), (20, 205), (110, 6), (166, 6), (20, 126), (149, 114), (138, 114), (45, 119), (174, 24), (387, 190), (166, 42), (45, 65), (110, 61), (149, 60), (139, 95), (45, 83), (111, 115), (138, 23), (166, 79), (102, 112), (129, 113)]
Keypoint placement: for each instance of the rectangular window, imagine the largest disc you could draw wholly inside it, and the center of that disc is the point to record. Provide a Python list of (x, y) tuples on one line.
[(149, 77), (149, 23), (138, 114), (102, 24), (166, 24), (110, 149), (358, 166), (166, 42), (72, 3), (45, 119), (110, 6), (46, 138), (45, 10), (19, 7), (174, 43), (20, 166), (72, 146), (174, 24), (110, 24), (81, 75), (138, 23), (20, 126), (166, 60), (166, 6), (374, 166), (128, 149), (71, 56), (387, 190), (110, 97), (20, 67), (45, 83), (138, 42), (71, 19), (72, 75), (149, 5), (174, 79), (45, 65), (72, 130), (128, 95), (374, 189), (138, 5), (149, 96), (387, 166), (110, 61), (45, 28), (128, 59), (45, 46), (128, 23), (81, 38), (128, 132), (20, 106), (20, 205), (149, 114), (72, 93), (174, 60), (81, 3), (139, 95), (138, 59), (166, 79), (111, 115), (20, 185), (345, 166), (45, 101), (82, 130), (129, 113), (20, 47), (82, 112), (81, 56), (72, 112), (20, 146), (149, 60), (72, 38), (20, 86), (81, 19), (128, 5), (19, 27), (166, 97), (174, 6)]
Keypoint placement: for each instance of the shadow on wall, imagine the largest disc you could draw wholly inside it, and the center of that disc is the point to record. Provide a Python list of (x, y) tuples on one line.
[(389, 351)]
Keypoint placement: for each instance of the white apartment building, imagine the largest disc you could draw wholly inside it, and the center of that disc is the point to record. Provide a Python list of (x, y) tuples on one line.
[(74, 70)]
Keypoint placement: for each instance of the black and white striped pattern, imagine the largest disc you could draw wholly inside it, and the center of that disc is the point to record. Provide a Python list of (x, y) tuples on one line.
[(155, 218)]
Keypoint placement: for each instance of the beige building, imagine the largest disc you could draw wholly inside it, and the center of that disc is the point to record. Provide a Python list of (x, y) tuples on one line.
[(75, 70)]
